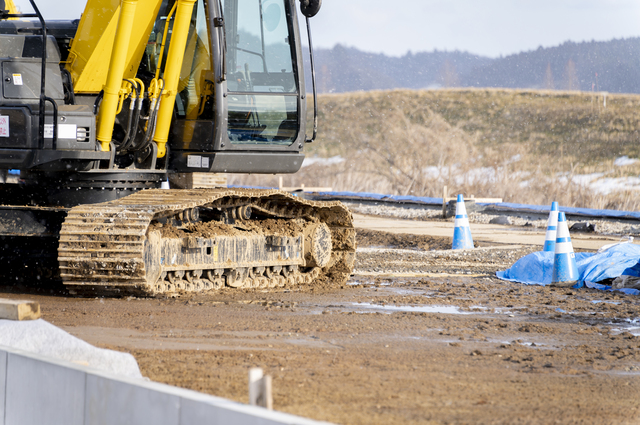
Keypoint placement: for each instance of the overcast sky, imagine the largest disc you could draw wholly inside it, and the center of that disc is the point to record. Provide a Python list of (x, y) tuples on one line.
[(485, 27)]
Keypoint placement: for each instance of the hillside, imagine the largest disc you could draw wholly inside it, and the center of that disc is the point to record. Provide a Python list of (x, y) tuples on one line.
[(345, 69), (611, 66), (523, 146), (569, 66)]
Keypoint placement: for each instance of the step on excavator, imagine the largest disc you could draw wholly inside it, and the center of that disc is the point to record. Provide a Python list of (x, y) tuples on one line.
[(97, 113)]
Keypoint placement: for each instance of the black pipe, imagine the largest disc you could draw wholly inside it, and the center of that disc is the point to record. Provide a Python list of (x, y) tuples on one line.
[(54, 143), (72, 96), (96, 103), (42, 78), (313, 83), (132, 105)]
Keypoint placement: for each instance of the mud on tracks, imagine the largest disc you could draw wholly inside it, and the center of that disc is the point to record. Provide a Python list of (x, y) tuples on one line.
[(214, 228)]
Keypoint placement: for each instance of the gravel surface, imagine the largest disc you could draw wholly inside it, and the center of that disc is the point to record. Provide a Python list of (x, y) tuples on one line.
[(475, 261)]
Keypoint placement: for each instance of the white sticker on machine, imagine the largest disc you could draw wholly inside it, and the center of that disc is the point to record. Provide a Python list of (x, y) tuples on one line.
[(65, 131), (194, 161), (197, 161), (17, 79), (4, 126)]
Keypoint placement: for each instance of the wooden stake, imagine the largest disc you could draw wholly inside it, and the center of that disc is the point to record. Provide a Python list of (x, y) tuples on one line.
[(19, 310), (444, 201), (260, 393)]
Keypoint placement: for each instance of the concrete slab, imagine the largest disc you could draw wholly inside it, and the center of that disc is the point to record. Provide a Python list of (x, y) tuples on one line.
[(19, 309), (215, 413), (125, 402), (43, 392), (491, 233), (243, 415), (3, 384)]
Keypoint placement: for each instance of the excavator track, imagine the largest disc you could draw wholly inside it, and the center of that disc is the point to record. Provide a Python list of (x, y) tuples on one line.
[(167, 241)]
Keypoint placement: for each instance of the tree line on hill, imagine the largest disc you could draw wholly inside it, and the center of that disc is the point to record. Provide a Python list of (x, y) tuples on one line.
[(610, 66)]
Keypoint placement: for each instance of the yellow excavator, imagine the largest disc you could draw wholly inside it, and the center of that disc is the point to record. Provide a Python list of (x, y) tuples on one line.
[(96, 113)]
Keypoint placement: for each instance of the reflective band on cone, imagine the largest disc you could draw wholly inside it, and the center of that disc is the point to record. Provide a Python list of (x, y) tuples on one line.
[(552, 226), (462, 232), (565, 270)]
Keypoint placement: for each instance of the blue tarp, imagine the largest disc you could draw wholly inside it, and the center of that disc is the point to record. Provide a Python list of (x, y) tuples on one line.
[(536, 268)]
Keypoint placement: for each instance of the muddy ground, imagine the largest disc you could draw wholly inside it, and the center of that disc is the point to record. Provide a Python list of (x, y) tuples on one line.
[(431, 339)]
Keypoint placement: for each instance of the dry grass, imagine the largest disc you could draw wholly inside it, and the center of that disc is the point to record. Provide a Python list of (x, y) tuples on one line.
[(522, 146)]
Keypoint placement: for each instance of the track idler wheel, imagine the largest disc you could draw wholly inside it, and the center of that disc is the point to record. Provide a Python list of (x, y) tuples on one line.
[(317, 245)]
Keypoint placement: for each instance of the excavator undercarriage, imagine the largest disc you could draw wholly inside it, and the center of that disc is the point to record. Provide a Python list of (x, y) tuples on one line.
[(167, 241)]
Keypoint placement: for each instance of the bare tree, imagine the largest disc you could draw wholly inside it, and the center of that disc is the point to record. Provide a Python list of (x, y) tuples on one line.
[(571, 76), (449, 74), (548, 78)]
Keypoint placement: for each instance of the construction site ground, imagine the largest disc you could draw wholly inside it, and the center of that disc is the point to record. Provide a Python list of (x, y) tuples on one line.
[(420, 334)]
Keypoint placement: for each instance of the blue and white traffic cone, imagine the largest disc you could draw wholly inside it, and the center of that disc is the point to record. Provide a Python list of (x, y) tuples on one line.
[(552, 226), (461, 233), (565, 270)]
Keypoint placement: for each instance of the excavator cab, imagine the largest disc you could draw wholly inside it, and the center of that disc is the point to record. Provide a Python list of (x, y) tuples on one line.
[(244, 111)]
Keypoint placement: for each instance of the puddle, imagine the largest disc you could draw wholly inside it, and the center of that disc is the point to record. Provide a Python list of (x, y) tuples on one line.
[(605, 302), (633, 330), (627, 325), (390, 287), (367, 283), (628, 371), (416, 309), (531, 344), (444, 309)]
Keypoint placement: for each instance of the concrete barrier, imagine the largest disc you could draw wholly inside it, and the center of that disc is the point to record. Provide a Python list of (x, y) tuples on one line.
[(36, 390)]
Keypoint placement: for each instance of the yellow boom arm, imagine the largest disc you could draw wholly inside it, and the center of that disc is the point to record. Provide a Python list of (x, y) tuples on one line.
[(120, 30), (95, 39)]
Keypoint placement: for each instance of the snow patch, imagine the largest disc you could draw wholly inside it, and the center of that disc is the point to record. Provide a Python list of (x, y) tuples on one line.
[(515, 158), (475, 175), (43, 338), (624, 160), (322, 161), (608, 185)]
